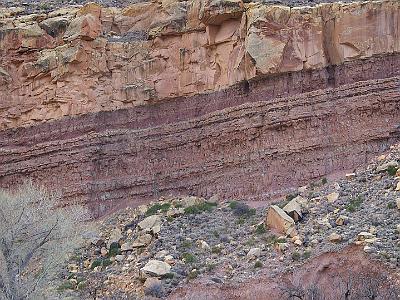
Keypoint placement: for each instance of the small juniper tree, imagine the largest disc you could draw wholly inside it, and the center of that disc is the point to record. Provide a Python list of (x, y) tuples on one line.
[(35, 238)]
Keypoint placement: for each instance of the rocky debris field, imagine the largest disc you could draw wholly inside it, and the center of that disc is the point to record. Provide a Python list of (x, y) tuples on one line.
[(44, 6), (152, 250)]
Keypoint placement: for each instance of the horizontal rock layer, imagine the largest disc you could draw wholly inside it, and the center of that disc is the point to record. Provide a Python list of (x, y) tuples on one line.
[(250, 141), (79, 60)]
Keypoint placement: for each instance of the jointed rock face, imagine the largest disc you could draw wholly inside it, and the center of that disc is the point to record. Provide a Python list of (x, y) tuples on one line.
[(79, 60), (237, 99)]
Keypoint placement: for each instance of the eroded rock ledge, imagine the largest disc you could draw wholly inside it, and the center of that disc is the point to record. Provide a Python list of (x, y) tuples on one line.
[(78, 60), (250, 141)]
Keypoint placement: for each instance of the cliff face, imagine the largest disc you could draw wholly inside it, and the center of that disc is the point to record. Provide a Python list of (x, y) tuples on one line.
[(239, 100), (75, 61)]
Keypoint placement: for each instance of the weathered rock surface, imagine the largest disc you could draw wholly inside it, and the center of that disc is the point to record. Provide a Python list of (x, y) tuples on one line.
[(74, 61), (156, 268), (279, 220), (311, 89)]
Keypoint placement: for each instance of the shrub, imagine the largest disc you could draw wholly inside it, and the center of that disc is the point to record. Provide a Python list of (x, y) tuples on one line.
[(210, 267), (96, 263), (100, 263), (187, 244), (241, 209), (199, 208), (155, 290), (34, 231), (391, 205), (324, 180), (258, 264), (114, 249), (392, 170), (188, 258), (67, 285), (261, 229), (193, 274), (354, 204), (158, 207), (307, 254), (296, 256)]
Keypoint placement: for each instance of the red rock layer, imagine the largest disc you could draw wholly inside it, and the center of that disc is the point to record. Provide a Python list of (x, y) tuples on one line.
[(250, 141)]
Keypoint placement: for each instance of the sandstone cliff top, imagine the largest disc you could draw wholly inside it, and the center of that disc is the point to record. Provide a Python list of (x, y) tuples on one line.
[(45, 6)]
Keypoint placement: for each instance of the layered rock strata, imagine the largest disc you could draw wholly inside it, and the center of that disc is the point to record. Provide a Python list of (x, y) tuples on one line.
[(246, 142), (239, 100), (79, 60)]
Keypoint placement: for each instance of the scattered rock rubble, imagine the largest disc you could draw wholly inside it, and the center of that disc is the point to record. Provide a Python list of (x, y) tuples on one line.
[(153, 249)]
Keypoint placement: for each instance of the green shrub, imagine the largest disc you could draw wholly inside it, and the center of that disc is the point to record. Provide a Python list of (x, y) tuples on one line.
[(96, 263), (81, 285), (187, 244), (392, 170), (67, 285), (199, 208), (261, 229), (354, 204), (158, 207), (306, 254), (115, 249), (106, 262), (296, 256), (100, 262), (210, 267), (188, 258), (178, 205), (391, 205), (324, 180), (258, 264)]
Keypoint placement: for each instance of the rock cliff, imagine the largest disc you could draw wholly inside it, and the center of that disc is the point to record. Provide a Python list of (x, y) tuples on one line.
[(198, 97), (79, 60)]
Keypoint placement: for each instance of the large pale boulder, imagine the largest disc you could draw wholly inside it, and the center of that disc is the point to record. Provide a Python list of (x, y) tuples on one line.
[(156, 268), (293, 209), (151, 224), (279, 220)]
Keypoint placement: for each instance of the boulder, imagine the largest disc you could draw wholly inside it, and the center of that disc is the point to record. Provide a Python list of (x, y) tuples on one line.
[(142, 240), (293, 209), (398, 186), (151, 224), (191, 200), (385, 166), (55, 26), (332, 197), (335, 238), (341, 220), (254, 252), (85, 27), (151, 282), (398, 203), (156, 268), (215, 12), (279, 220), (115, 236), (203, 245), (362, 236)]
